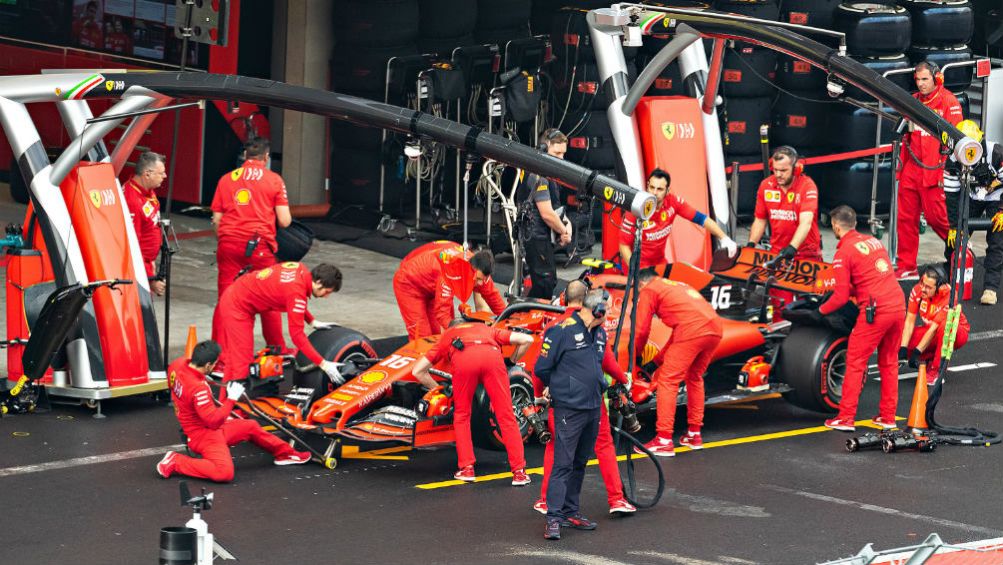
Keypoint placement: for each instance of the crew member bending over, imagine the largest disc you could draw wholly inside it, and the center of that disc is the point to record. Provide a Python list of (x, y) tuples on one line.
[(472, 351), (787, 201), (209, 428), (431, 275), (930, 299)]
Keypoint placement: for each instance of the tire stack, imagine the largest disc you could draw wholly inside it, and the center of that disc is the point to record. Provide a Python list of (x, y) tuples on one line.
[(941, 31), (500, 21), (444, 25), (877, 36), (747, 84), (367, 34)]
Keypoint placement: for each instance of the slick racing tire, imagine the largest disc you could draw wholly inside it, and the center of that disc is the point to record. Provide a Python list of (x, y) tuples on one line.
[(337, 344), (591, 145), (445, 18), (799, 120), (855, 180), (748, 184), (874, 29), (796, 74), (957, 78), (500, 14), (941, 22), (484, 425), (852, 129), (444, 46), (362, 71), (375, 23), (294, 241), (814, 13), (744, 116), (813, 361), (501, 37), (748, 71)]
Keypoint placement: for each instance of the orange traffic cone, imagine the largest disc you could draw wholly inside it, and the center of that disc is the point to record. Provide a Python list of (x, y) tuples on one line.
[(190, 342), (917, 413)]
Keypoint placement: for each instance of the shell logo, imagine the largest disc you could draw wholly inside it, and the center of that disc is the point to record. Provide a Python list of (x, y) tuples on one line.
[(263, 273), (370, 377), (242, 197)]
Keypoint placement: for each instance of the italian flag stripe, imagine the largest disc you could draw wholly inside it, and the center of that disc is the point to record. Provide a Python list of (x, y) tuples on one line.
[(78, 91), (651, 21)]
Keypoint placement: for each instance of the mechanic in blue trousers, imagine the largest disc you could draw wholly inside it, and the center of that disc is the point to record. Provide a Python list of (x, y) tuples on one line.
[(570, 364)]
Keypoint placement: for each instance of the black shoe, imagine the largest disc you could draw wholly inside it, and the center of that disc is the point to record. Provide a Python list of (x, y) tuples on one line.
[(578, 522), (552, 530)]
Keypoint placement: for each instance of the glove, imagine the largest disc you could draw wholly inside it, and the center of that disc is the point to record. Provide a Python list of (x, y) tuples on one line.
[(816, 317), (541, 401), (787, 252), (914, 358), (318, 325), (983, 173), (234, 390), (903, 353), (730, 245), (997, 221), (750, 244), (332, 371), (952, 238)]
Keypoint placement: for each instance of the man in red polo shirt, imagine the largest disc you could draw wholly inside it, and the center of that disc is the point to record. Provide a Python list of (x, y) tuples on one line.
[(248, 203), (788, 201), (141, 198), (656, 230), (284, 287), (930, 300)]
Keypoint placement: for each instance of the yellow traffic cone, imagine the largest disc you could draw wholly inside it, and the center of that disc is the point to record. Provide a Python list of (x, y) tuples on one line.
[(190, 342), (917, 413)]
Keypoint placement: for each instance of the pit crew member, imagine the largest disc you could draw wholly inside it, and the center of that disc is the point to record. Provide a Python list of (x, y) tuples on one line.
[(862, 267), (921, 176), (570, 365), (472, 352), (430, 276), (656, 230), (141, 198), (574, 296), (696, 332), (284, 287), (209, 428), (249, 201), (787, 201), (930, 300)]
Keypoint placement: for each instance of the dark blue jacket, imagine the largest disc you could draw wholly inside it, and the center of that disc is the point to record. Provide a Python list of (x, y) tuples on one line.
[(570, 363)]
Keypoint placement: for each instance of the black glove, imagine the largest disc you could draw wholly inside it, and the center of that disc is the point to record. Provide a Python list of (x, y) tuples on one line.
[(750, 244), (983, 173), (903, 353), (815, 316), (914, 359), (787, 253)]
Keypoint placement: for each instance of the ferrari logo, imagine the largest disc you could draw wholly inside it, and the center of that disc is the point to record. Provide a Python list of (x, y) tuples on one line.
[(669, 130), (665, 216), (649, 207), (109, 84), (943, 137), (264, 273), (290, 265), (236, 174), (608, 192), (971, 154), (790, 197), (863, 248), (242, 197), (95, 198)]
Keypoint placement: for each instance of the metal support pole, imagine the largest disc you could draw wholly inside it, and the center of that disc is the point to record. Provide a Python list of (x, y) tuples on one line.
[(893, 214), (459, 157), (733, 185), (874, 222)]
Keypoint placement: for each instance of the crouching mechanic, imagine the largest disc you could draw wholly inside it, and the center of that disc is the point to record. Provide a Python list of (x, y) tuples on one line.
[(862, 266), (605, 450), (655, 232), (696, 332), (570, 365), (930, 299), (431, 275), (209, 429), (283, 287), (472, 351)]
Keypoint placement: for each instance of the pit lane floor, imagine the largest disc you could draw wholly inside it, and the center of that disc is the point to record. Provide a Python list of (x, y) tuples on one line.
[(81, 490)]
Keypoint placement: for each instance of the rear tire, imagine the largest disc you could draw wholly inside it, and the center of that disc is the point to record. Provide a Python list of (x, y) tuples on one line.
[(484, 425), (813, 361)]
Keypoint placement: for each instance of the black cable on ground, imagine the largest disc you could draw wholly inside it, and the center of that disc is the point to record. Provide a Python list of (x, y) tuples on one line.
[(630, 485)]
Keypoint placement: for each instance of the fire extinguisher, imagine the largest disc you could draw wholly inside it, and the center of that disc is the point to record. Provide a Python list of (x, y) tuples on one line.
[(969, 272)]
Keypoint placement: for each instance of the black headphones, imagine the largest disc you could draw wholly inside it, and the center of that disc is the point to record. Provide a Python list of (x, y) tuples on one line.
[(546, 137), (939, 275), (599, 310)]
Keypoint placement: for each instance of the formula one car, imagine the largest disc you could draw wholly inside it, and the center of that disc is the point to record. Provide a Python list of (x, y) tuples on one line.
[(382, 409)]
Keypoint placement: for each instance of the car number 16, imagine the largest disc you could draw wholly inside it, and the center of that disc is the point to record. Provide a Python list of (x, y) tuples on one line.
[(720, 297)]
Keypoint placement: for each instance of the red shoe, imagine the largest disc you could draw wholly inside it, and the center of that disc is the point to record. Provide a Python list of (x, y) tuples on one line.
[(840, 424), (931, 377), (659, 447), (466, 474), (692, 440), (884, 423), (166, 465), (294, 458), (621, 507), (519, 478), (541, 506)]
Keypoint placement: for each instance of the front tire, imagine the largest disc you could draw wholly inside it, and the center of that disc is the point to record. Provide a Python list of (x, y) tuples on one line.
[(484, 424), (337, 344), (813, 361)]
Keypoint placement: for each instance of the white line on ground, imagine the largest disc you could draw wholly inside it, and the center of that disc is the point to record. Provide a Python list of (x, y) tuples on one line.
[(566, 556), (682, 560), (991, 334), (971, 367), (886, 511), (89, 460)]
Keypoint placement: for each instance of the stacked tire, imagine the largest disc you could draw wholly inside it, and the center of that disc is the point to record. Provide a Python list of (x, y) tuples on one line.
[(941, 32), (368, 33), (444, 25), (500, 21)]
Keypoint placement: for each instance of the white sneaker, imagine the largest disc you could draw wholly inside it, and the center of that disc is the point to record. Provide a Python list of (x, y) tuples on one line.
[(988, 297)]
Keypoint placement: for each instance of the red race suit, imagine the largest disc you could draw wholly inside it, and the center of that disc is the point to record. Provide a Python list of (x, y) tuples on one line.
[(145, 211), (934, 311), (604, 448), (480, 362), (209, 428), (247, 197), (862, 265), (284, 287), (696, 332), (921, 180), (428, 279), (782, 209), (655, 231)]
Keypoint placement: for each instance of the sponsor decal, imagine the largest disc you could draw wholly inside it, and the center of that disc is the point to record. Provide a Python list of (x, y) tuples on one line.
[(669, 130), (342, 396), (95, 198), (264, 273), (648, 207), (797, 121), (783, 215), (679, 130), (370, 377), (771, 195), (236, 173), (665, 215), (881, 265), (111, 85), (79, 90), (693, 294), (290, 265), (147, 209), (567, 323), (579, 337), (790, 197), (862, 248), (607, 192), (242, 197)]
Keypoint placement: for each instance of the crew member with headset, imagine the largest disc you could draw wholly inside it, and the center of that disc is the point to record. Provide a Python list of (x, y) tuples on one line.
[(249, 201), (473, 353), (930, 300), (985, 202), (655, 231), (787, 201), (570, 365), (921, 176), (862, 266), (541, 220)]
